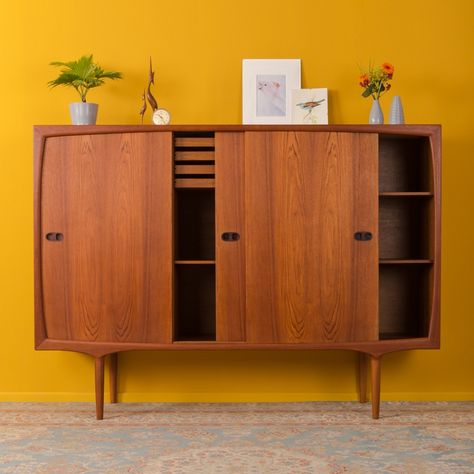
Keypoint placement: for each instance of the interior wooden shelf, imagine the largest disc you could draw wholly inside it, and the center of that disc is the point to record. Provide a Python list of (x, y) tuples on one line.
[(195, 262), (193, 183), (194, 169), (194, 142), (194, 155), (406, 194), (395, 335), (402, 261), (206, 338)]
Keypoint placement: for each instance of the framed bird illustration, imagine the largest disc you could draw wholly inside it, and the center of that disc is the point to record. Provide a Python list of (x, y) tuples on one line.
[(309, 106)]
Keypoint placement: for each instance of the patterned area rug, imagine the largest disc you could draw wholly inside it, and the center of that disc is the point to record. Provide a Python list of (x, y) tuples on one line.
[(256, 438)]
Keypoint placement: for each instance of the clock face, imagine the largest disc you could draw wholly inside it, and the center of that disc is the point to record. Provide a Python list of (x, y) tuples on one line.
[(161, 117)]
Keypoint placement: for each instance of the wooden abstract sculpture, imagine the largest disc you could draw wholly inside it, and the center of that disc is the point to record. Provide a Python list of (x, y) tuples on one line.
[(149, 96)]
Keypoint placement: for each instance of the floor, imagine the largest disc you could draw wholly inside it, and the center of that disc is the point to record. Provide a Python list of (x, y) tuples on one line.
[(162, 438)]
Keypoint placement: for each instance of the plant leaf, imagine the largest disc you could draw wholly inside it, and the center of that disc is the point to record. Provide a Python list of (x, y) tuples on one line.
[(82, 74)]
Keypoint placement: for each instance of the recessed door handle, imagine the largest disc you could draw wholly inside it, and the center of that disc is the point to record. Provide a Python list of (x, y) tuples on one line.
[(54, 236), (363, 235), (230, 236)]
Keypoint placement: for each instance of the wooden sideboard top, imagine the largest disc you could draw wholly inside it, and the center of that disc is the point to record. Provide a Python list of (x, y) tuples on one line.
[(62, 130)]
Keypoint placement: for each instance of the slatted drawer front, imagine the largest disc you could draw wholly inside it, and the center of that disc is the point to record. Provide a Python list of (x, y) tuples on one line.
[(194, 160)]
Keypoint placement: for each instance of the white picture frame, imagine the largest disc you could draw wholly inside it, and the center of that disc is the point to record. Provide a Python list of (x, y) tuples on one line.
[(309, 106), (266, 89)]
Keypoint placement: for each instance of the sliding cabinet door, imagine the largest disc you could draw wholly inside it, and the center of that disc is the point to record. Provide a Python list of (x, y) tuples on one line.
[(308, 279), (106, 253)]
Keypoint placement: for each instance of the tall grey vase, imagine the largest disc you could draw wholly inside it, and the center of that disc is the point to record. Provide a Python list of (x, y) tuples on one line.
[(83, 113), (376, 114), (397, 116)]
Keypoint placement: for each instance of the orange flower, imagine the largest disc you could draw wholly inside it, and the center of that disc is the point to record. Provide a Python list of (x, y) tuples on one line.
[(388, 69), (375, 81), (364, 80)]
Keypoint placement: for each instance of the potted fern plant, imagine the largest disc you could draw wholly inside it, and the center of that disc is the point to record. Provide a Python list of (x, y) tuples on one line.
[(82, 75)]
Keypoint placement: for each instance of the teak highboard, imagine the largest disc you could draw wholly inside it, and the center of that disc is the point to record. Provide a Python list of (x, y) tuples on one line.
[(237, 237)]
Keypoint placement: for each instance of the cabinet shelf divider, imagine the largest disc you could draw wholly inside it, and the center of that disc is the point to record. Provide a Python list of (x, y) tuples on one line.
[(194, 183), (402, 194)]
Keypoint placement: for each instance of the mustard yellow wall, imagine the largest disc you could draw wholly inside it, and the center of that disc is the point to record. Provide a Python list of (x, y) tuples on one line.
[(197, 47)]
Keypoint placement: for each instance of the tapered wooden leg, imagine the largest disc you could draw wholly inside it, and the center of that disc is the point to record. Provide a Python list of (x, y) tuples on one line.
[(375, 375), (99, 387), (113, 368), (362, 377)]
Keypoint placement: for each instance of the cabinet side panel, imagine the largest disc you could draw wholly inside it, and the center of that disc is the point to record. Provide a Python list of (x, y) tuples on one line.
[(435, 236), (230, 255), (109, 278), (308, 279), (40, 327)]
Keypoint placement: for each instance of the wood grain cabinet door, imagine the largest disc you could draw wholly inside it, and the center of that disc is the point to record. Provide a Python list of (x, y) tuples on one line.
[(106, 268), (308, 279), (230, 253)]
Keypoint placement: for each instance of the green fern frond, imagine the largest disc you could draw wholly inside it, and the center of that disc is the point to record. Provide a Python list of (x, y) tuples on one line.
[(82, 74)]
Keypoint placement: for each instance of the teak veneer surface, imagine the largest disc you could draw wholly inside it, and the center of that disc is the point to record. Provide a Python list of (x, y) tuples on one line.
[(109, 279), (306, 196), (230, 256)]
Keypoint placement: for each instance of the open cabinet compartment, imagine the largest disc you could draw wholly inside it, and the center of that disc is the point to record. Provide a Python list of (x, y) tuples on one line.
[(194, 276), (404, 164), (404, 228), (195, 303), (405, 303), (195, 224), (195, 287)]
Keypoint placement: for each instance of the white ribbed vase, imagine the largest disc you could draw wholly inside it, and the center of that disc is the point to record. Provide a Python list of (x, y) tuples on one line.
[(397, 116)]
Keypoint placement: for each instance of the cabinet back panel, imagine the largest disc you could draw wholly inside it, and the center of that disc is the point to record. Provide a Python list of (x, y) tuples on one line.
[(195, 228), (404, 226), (110, 277), (404, 301), (404, 164), (195, 317)]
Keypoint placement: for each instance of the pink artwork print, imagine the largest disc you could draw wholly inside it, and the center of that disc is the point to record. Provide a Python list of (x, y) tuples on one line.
[(271, 95)]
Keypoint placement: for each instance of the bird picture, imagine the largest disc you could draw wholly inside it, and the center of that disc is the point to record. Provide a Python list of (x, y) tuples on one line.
[(309, 106)]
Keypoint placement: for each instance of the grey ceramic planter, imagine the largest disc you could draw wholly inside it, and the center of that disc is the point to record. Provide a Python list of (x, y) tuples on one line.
[(83, 113)]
